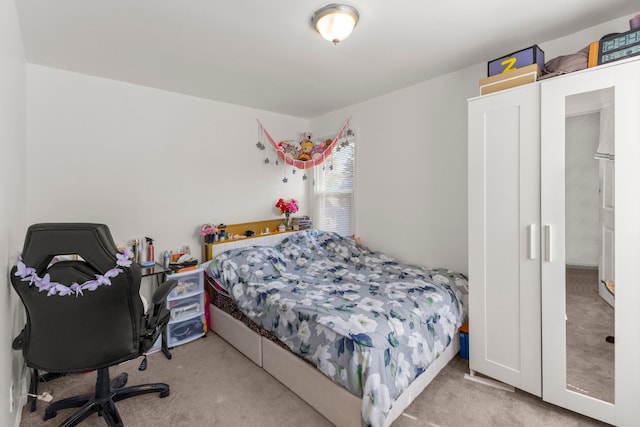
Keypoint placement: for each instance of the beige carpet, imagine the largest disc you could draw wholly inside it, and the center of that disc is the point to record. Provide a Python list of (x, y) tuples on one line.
[(590, 359), (212, 384)]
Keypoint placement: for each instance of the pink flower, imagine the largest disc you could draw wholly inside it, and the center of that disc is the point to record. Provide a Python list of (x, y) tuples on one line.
[(208, 229), (287, 206)]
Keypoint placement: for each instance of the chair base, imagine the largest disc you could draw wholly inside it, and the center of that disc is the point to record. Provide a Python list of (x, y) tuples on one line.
[(103, 400)]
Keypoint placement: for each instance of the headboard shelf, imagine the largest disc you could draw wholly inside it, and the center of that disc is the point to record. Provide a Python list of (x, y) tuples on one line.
[(258, 227)]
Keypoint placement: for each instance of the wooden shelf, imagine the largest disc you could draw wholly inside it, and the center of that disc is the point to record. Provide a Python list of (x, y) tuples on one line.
[(257, 227)]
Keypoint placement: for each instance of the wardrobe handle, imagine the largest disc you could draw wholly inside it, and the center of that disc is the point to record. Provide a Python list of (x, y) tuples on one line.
[(547, 243), (532, 241)]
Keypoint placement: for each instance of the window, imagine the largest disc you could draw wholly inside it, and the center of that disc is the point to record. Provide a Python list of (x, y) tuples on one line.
[(333, 189)]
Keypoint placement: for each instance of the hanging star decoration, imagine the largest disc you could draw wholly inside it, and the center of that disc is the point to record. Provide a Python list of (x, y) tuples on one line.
[(303, 153)]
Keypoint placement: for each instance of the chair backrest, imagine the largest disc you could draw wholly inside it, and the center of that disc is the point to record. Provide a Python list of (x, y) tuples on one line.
[(74, 333)]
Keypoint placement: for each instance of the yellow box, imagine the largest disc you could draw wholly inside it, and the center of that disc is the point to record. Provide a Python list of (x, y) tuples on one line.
[(513, 78)]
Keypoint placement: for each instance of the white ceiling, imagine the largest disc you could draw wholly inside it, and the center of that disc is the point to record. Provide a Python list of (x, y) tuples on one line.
[(264, 53)]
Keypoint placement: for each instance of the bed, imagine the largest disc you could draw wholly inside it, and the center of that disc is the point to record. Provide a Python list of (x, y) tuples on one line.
[(355, 333)]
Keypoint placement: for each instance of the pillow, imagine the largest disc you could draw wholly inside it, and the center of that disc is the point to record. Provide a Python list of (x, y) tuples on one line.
[(344, 248), (252, 263), (302, 245)]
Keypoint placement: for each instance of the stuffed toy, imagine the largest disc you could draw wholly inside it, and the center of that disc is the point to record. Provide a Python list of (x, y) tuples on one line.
[(305, 150), (291, 150), (317, 151)]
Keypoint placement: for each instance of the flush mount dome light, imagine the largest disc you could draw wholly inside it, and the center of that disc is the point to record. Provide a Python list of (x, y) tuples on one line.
[(335, 22)]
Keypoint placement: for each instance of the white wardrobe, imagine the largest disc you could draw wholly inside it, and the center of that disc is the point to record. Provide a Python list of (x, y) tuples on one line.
[(517, 242)]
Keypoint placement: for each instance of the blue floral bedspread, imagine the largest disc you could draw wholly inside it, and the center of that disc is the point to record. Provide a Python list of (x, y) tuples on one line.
[(367, 321)]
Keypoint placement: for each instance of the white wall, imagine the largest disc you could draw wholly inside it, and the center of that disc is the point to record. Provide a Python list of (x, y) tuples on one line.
[(583, 230), (576, 41), (411, 169), (148, 162), (412, 160), (12, 194)]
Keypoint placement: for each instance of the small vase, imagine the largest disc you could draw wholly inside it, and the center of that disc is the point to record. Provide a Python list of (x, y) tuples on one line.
[(287, 220)]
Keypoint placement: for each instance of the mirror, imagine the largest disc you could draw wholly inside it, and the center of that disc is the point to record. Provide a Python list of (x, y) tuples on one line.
[(589, 243)]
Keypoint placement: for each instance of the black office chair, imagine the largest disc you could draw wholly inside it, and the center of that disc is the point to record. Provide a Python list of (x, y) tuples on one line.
[(85, 314)]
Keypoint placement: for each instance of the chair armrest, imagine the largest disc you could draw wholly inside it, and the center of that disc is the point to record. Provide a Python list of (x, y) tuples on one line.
[(19, 341), (161, 294), (160, 314)]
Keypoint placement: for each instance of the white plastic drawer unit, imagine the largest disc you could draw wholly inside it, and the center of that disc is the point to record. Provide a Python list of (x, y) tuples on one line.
[(189, 283), (186, 302)]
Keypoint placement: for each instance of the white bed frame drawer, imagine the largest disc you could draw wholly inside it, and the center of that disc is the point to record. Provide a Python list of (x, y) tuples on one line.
[(334, 402), (237, 334)]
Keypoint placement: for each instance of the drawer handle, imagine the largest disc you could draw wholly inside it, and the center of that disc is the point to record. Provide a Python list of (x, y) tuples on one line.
[(547, 243)]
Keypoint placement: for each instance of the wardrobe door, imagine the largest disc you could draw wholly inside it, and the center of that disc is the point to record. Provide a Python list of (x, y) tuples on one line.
[(504, 236), (612, 397)]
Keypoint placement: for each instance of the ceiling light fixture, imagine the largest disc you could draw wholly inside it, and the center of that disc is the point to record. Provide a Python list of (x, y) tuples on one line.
[(335, 22)]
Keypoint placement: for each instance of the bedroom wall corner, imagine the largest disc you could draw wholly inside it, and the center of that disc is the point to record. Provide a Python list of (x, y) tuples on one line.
[(411, 160), (12, 214), (574, 42), (148, 162), (411, 169)]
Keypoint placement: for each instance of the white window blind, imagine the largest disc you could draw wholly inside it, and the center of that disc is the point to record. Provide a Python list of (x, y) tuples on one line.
[(333, 190)]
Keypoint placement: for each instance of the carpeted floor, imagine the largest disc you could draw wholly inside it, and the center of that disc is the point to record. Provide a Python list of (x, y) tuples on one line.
[(212, 384), (590, 359)]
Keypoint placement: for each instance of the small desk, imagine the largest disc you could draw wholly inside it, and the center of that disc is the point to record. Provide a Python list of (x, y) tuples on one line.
[(155, 270), (160, 274)]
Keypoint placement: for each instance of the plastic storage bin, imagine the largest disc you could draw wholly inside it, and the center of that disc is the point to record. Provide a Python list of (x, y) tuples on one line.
[(189, 283), (188, 306), (464, 341), (184, 331)]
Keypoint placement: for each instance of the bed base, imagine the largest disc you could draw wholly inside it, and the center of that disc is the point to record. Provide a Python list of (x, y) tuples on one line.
[(237, 334), (331, 400)]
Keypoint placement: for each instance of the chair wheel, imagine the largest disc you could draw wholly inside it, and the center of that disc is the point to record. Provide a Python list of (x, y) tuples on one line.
[(165, 393), (143, 364), (120, 381), (48, 414)]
